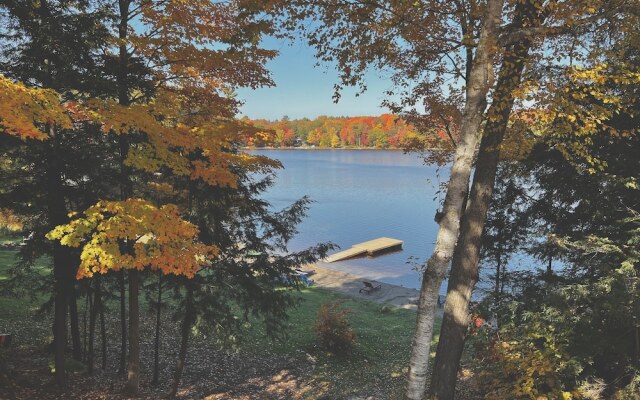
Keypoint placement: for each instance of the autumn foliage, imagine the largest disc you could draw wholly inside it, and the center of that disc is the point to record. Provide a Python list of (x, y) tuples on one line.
[(383, 132), (9, 221), (160, 239), (24, 111)]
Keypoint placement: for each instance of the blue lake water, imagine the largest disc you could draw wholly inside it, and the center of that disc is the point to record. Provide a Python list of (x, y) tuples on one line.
[(361, 195)]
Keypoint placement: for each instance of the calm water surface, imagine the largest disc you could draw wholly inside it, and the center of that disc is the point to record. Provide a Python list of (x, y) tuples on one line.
[(361, 195)]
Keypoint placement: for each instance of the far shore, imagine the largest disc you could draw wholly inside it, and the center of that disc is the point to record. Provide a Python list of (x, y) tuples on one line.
[(325, 148)]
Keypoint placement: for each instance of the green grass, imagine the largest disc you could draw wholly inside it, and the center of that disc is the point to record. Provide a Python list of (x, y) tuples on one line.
[(9, 237), (19, 313), (378, 363), (7, 259)]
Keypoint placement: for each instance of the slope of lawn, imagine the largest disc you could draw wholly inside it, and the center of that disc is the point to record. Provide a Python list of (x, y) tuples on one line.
[(375, 367)]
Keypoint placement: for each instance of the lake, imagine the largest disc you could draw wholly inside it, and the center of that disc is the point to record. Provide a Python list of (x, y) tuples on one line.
[(361, 195)]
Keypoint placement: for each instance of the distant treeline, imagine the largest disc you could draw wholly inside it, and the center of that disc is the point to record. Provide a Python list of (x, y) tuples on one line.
[(386, 131)]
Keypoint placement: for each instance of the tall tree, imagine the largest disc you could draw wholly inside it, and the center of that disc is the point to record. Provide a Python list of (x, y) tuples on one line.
[(466, 256), (529, 20), (52, 44), (253, 258), (413, 39), (195, 48)]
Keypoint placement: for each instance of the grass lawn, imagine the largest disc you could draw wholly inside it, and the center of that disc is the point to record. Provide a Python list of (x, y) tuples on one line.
[(12, 307), (376, 365), (20, 312), (9, 237)]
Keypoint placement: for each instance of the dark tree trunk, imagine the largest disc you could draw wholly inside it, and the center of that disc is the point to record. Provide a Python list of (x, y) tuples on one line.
[(496, 289), (123, 322), (85, 327), (96, 308), (74, 322), (187, 322), (57, 214), (133, 367), (464, 272), (156, 356), (126, 191), (92, 328), (103, 332), (60, 314), (504, 273)]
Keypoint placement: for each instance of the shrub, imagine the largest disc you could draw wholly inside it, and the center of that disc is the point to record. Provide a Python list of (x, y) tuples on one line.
[(528, 361), (333, 330)]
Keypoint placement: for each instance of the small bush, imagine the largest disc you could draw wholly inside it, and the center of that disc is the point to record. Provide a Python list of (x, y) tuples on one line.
[(528, 362), (333, 330)]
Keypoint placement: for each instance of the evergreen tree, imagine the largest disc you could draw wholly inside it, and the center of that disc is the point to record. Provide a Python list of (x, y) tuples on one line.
[(53, 45)]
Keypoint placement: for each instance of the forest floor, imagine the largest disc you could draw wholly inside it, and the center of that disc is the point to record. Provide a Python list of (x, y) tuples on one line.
[(258, 368)]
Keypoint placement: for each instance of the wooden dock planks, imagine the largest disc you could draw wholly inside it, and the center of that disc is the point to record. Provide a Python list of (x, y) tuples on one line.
[(371, 247), (352, 252)]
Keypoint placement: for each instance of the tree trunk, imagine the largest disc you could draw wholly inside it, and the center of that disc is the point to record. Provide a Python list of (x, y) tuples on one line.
[(496, 289), (133, 367), (156, 357), (96, 306), (504, 274), (126, 191), (103, 334), (464, 271), (92, 328), (60, 314), (84, 327), (123, 323), (57, 214), (74, 322), (187, 322), (477, 87)]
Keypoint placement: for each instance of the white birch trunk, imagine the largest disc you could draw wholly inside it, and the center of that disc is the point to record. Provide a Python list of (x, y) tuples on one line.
[(476, 101)]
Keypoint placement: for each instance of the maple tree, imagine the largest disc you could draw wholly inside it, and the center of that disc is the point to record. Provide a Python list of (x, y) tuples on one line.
[(161, 239), (25, 111), (163, 102), (198, 51)]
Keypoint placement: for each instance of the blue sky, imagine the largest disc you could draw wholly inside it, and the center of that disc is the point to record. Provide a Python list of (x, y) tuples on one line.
[(303, 90)]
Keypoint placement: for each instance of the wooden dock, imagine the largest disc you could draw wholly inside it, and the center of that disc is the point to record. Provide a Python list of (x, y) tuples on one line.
[(371, 247)]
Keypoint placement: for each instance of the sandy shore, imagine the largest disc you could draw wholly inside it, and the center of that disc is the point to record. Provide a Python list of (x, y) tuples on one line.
[(351, 284)]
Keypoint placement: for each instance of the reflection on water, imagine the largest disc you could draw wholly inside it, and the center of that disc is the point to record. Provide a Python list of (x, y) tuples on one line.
[(361, 195)]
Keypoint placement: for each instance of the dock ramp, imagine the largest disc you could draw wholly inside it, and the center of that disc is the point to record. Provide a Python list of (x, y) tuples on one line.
[(370, 248)]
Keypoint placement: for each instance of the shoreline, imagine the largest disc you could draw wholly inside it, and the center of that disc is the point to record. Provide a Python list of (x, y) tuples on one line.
[(328, 148), (350, 285), (319, 148)]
